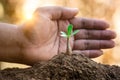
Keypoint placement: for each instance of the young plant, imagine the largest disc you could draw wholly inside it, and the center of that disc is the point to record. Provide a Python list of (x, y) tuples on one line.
[(68, 35)]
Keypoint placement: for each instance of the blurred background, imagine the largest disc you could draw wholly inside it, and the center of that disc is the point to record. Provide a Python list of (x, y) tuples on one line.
[(17, 11)]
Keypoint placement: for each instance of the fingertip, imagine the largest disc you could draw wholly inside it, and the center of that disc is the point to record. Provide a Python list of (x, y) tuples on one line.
[(105, 24), (89, 53), (96, 54), (93, 53), (64, 12), (101, 24), (112, 44), (68, 13), (114, 35)]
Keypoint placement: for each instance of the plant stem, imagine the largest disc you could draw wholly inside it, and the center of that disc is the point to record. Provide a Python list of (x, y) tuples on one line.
[(69, 50)]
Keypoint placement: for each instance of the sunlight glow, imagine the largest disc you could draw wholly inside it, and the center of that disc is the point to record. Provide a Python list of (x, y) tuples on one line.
[(29, 7), (116, 20)]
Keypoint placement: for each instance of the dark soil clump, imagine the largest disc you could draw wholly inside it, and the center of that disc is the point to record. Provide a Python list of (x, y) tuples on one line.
[(64, 67)]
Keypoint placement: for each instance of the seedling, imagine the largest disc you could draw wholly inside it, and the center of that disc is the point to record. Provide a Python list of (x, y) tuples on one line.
[(68, 35)]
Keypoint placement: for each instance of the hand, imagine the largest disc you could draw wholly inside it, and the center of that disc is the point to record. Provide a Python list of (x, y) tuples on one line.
[(42, 38)]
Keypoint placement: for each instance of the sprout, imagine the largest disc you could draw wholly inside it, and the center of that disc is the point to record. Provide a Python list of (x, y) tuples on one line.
[(67, 35)]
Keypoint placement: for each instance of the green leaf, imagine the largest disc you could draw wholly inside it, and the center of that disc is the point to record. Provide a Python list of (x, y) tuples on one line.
[(63, 34), (69, 30), (75, 32)]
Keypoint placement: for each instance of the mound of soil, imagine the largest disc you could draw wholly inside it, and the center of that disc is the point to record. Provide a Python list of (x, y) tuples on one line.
[(64, 67)]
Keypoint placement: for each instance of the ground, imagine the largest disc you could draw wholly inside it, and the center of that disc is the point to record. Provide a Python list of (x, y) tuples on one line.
[(64, 67)]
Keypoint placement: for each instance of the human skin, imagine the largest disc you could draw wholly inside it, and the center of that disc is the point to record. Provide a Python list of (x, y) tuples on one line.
[(38, 39)]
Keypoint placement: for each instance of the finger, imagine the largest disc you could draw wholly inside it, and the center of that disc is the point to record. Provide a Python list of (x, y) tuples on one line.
[(86, 23), (89, 53), (95, 34), (93, 44), (55, 12)]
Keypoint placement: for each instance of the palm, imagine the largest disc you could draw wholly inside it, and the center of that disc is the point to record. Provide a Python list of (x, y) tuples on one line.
[(46, 41), (54, 43), (43, 34)]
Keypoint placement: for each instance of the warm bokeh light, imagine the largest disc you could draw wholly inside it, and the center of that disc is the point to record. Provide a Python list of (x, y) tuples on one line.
[(116, 20), (29, 7), (1, 10)]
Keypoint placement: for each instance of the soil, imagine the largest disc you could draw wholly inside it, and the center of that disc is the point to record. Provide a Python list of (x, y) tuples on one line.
[(64, 67)]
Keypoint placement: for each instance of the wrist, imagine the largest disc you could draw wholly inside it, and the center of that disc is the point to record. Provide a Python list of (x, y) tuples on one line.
[(10, 42), (25, 47)]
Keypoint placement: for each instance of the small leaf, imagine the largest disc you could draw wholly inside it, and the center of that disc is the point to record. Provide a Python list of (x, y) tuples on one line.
[(69, 30), (63, 34), (75, 32)]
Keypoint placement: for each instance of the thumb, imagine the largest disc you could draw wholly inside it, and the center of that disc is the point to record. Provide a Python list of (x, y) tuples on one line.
[(56, 12)]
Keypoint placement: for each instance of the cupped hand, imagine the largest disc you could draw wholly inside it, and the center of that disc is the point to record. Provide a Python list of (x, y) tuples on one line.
[(42, 38)]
